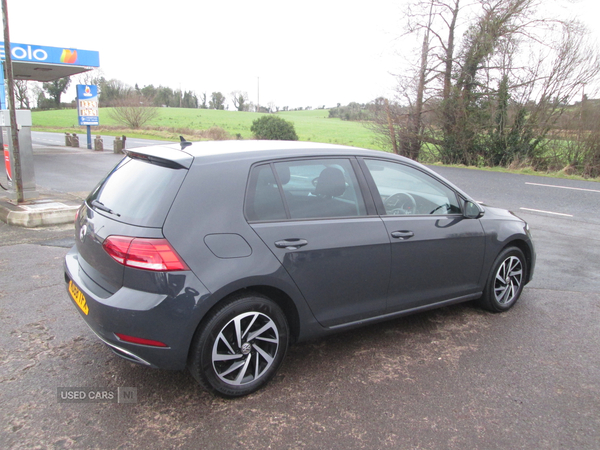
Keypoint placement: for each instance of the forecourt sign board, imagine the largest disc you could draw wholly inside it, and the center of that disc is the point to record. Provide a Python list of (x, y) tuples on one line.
[(43, 63), (40, 63), (52, 55), (87, 104)]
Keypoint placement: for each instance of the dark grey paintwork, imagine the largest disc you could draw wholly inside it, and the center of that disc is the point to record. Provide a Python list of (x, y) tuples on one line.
[(352, 271)]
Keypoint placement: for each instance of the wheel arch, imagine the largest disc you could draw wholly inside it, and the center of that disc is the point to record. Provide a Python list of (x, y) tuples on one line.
[(527, 251), (283, 300), (285, 303)]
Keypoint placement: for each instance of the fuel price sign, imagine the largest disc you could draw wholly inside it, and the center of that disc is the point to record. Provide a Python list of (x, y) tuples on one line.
[(87, 104)]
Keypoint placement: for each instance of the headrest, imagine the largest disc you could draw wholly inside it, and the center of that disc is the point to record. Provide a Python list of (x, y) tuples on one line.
[(331, 183), (283, 172)]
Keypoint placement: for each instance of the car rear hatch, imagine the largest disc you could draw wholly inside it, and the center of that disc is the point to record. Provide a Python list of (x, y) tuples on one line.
[(131, 202)]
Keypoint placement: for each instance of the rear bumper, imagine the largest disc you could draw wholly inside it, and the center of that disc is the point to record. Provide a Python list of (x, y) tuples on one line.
[(170, 318), (124, 353)]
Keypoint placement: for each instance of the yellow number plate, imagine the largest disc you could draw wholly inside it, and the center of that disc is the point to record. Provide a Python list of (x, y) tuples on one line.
[(78, 297)]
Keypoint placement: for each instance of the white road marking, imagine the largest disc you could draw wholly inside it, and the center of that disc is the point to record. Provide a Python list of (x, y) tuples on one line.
[(547, 212), (564, 187)]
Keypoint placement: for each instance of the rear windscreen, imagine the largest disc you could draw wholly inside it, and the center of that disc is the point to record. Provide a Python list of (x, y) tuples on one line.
[(138, 192)]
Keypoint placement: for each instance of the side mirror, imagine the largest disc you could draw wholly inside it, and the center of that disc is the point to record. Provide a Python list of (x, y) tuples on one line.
[(473, 210)]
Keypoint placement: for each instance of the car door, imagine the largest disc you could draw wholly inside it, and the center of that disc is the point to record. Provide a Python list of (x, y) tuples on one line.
[(313, 217), (437, 253)]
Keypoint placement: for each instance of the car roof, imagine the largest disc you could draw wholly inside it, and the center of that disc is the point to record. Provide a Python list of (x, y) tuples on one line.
[(251, 149), (256, 151), (277, 147)]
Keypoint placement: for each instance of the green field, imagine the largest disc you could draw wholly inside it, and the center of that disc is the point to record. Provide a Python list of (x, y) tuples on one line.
[(311, 125)]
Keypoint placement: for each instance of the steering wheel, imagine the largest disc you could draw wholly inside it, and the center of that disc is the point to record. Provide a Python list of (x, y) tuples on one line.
[(401, 203)]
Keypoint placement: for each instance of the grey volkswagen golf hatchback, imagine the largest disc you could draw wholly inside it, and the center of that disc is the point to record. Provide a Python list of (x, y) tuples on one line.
[(215, 256)]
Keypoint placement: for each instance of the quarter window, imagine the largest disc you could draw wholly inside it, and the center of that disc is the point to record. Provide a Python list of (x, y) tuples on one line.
[(264, 198)]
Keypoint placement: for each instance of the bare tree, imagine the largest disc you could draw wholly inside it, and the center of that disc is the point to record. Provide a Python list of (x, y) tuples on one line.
[(488, 91), (532, 97), (389, 122), (113, 91), (90, 77), (437, 59), (558, 75), (22, 94), (133, 111), (404, 120), (240, 100), (498, 21)]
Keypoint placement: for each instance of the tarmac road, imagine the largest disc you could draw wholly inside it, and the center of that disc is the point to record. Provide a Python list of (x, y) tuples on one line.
[(454, 378), (74, 170), (48, 139)]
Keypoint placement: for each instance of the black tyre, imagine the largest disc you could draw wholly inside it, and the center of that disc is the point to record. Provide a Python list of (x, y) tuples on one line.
[(506, 280), (240, 346)]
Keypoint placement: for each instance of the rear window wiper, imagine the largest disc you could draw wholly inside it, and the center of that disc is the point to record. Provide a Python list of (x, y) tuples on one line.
[(98, 204)]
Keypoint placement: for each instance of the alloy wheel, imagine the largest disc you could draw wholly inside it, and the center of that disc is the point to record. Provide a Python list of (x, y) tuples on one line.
[(508, 280), (245, 348)]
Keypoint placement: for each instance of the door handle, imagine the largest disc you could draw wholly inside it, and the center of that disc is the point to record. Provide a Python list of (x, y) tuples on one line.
[(402, 235), (291, 244)]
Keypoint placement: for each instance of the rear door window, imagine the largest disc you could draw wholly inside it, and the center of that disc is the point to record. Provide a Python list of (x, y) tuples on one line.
[(138, 192), (304, 189)]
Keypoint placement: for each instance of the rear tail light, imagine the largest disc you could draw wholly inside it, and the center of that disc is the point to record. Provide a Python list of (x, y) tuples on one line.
[(142, 253)]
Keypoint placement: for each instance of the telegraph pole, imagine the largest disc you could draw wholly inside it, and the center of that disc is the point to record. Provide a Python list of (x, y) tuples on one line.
[(17, 176)]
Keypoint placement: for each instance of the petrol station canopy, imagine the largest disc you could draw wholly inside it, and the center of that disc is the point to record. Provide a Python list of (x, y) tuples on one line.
[(43, 63)]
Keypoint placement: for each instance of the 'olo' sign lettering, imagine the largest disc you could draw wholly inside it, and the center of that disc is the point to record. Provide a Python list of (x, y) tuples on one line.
[(51, 55)]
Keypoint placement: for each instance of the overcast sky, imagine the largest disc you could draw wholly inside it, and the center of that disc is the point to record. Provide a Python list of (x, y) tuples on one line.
[(300, 53)]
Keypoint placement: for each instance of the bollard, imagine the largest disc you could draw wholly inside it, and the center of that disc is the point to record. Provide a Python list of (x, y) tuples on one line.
[(124, 140), (117, 145), (98, 145), (67, 139), (74, 140)]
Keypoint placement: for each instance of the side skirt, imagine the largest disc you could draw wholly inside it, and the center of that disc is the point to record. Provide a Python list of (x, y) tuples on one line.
[(405, 312)]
